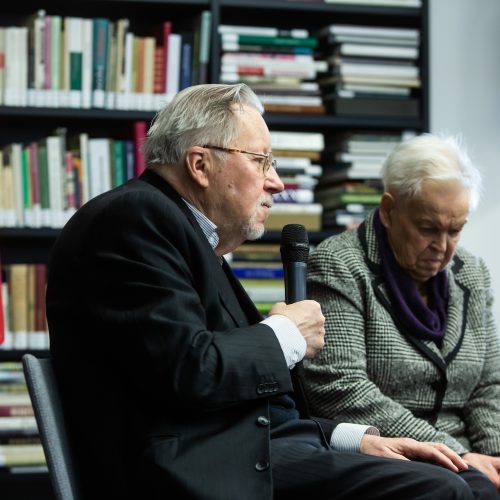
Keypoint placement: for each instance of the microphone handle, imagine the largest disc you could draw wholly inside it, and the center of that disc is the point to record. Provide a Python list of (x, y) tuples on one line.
[(295, 281)]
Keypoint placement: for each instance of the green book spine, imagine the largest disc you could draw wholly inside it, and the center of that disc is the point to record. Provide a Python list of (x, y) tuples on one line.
[(277, 40), (118, 162), (75, 75), (25, 169), (43, 170)]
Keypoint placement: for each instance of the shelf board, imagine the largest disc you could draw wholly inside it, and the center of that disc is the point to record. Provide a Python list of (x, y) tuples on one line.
[(331, 121), (75, 113), (17, 354), (272, 119), (323, 7)]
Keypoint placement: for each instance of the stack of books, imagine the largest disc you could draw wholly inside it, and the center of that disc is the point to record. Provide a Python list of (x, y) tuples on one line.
[(259, 269), (373, 71), (20, 448), (350, 185), (278, 64), (297, 155)]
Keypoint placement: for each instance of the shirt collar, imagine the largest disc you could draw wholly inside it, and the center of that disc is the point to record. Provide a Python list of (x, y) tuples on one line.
[(207, 226)]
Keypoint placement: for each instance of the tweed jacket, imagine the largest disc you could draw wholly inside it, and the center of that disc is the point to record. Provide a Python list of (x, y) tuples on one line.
[(372, 371)]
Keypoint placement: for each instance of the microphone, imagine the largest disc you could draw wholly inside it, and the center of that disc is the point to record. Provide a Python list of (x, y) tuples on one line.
[(294, 251)]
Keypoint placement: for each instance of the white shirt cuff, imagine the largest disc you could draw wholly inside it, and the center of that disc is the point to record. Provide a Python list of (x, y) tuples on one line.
[(291, 340), (347, 437)]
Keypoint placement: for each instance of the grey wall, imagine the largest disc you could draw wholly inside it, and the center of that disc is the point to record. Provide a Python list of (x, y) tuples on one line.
[(465, 99)]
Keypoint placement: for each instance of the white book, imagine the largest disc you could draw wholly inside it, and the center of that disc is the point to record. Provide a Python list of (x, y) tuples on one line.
[(22, 34), (56, 179), (372, 31), (380, 3), (385, 70), (38, 58), (87, 54), (99, 166), (75, 50), (294, 208), (391, 51), (174, 64), (18, 423), (290, 162), (11, 73), (56, 61), (376, 40), (8, 339), (307, 141), (17, 182), (265, 293), (85, 172), (225, 29), (124, 94), (291, 99)]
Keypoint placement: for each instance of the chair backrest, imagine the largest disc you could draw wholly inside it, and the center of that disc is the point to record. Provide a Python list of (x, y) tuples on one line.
[(44, 394)]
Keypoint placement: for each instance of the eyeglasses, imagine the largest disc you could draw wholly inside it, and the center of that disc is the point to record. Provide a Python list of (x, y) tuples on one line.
[(267, 163)]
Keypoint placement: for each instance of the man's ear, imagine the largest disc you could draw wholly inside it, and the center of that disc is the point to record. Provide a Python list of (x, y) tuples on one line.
[(387, 203), (198, 165)]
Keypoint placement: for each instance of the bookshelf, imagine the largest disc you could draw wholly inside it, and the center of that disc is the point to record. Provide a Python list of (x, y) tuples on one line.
[(33, 123)]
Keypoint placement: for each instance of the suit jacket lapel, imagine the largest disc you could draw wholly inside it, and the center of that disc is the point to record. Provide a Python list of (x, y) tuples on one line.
[(233, 297)]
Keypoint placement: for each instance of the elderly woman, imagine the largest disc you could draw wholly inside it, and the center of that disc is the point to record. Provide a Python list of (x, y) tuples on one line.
[(410, 339)]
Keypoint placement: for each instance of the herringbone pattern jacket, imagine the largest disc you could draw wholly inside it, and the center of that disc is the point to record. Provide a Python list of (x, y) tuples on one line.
[(371, 371)]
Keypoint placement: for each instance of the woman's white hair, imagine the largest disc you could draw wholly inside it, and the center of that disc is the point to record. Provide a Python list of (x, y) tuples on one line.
[(430, 157), (198, 115)]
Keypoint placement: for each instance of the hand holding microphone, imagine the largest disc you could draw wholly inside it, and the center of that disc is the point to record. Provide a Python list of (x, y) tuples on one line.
[(306, 314)]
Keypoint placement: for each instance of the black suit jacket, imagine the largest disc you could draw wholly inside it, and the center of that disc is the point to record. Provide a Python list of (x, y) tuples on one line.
[(165, 371)]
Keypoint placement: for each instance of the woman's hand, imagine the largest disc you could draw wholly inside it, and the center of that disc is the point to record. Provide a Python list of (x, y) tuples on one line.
[(490, 466)]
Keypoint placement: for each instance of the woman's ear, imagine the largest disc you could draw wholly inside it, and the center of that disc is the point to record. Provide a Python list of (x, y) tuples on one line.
[(198, 164), (387, 203)]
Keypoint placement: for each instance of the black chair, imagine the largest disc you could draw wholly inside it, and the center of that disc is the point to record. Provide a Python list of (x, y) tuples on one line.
[(44, 394)]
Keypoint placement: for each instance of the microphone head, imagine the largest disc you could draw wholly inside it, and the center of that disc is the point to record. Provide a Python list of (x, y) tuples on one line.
[(294, 243)]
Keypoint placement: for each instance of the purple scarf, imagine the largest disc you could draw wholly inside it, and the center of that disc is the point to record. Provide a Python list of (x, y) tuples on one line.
[(425, 321)]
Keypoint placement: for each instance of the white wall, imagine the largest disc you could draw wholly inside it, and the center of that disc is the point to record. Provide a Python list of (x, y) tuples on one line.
[(465, 98)]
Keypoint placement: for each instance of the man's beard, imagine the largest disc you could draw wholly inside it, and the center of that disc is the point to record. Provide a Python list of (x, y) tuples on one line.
[(252, 230)]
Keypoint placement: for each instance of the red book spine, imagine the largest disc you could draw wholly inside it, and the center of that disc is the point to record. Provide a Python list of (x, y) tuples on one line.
[(2, 322), (140, 131)]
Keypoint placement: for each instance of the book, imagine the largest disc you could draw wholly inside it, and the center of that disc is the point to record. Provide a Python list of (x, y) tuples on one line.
[(380, 3), (308, 215), (19, 410), (299, 141), (173, 64), (99, 60), (139, 132), (402, 108), (372, 50), (162, 34), (236, 39), (371, 32), (21, 454), (262, 31), (186, 62), (257, 270)]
